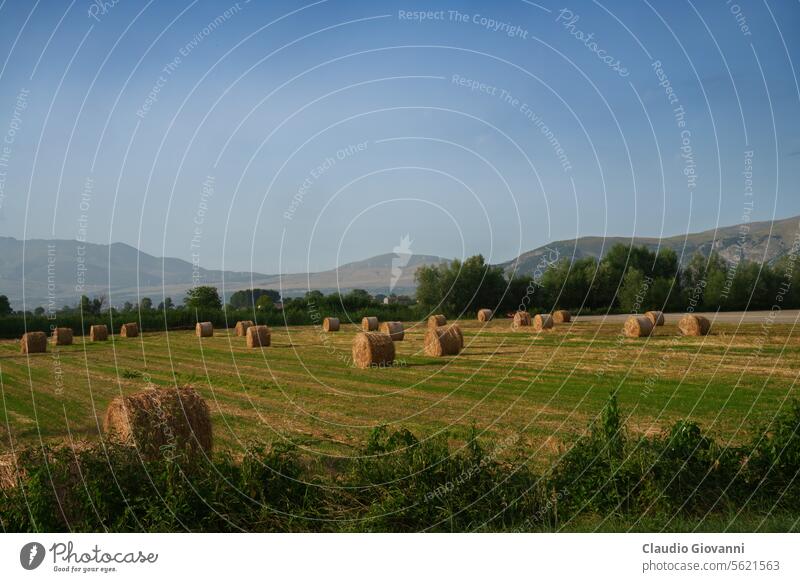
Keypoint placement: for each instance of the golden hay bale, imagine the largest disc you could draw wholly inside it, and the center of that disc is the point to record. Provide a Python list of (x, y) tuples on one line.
[(258, 336), (204, 329), (436, 321), (521, 319), (485, 315), (394, 329), (241, 327), (33, 342), (542, 321), (373, 349), (562, 316), (8, 471), (160, 422), (691, 324), (62, 336), (657, 317), (98, 333), (129, 330), (638, 326), (330, 324), (444, 341), (369, 324)]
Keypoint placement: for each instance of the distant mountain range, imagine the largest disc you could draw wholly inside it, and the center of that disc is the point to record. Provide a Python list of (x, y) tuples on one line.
[(54, 270), (756, 241)]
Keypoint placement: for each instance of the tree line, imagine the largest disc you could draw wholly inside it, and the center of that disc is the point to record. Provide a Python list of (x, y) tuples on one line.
[(627, 279)]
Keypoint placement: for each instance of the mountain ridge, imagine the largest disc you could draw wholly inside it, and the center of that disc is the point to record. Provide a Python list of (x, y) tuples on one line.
[(123, 273)]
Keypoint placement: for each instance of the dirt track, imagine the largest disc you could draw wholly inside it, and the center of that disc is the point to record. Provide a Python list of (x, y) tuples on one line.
[(785, 316)]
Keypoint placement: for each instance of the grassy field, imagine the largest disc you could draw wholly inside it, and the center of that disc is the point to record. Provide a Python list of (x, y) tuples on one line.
[(542, 390)]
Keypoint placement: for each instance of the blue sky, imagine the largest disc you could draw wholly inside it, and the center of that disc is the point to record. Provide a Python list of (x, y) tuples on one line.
[(292, 136)]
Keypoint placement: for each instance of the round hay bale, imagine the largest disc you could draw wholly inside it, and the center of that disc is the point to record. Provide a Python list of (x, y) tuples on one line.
[(562, 316), (98, 333), (394, 329), (373, 350), (521, 319), (129, 330), (436, 321), (242, 326), (331, 324), (485, 315), (9, 471), (691, 324), (62, 336), (369, 324), (444, 341), (657, 317), (542, 321), (638, 326), (204, 329), (160, 422), (33, 342), (258, 336)]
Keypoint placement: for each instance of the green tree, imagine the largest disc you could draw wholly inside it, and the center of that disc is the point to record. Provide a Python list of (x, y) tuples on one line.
[(460, 287), (247, 298), (203, 297), (265, 303), (632, 293), (146, 304), (39, 311), (5, 306)]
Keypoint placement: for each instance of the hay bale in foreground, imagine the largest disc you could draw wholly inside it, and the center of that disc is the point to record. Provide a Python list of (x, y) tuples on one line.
[(436, 321), (373, 350), (521, 319), (129, 330), (9, 471), (330, 324), (369, 324), (204, 329), (485, 315), (657, 317), (444, 341), (62, 336), (542, 321), (160, 422), (33, 342), (98, 333), (394, 329), (695, 325), (638, 326), (258, 336), (242, 326), (562, 316)]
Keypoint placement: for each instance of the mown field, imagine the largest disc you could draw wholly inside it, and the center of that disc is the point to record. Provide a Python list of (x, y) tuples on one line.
[(541, 390)]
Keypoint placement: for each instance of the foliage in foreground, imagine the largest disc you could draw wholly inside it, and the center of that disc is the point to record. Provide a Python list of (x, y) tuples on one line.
[(682, 479)]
